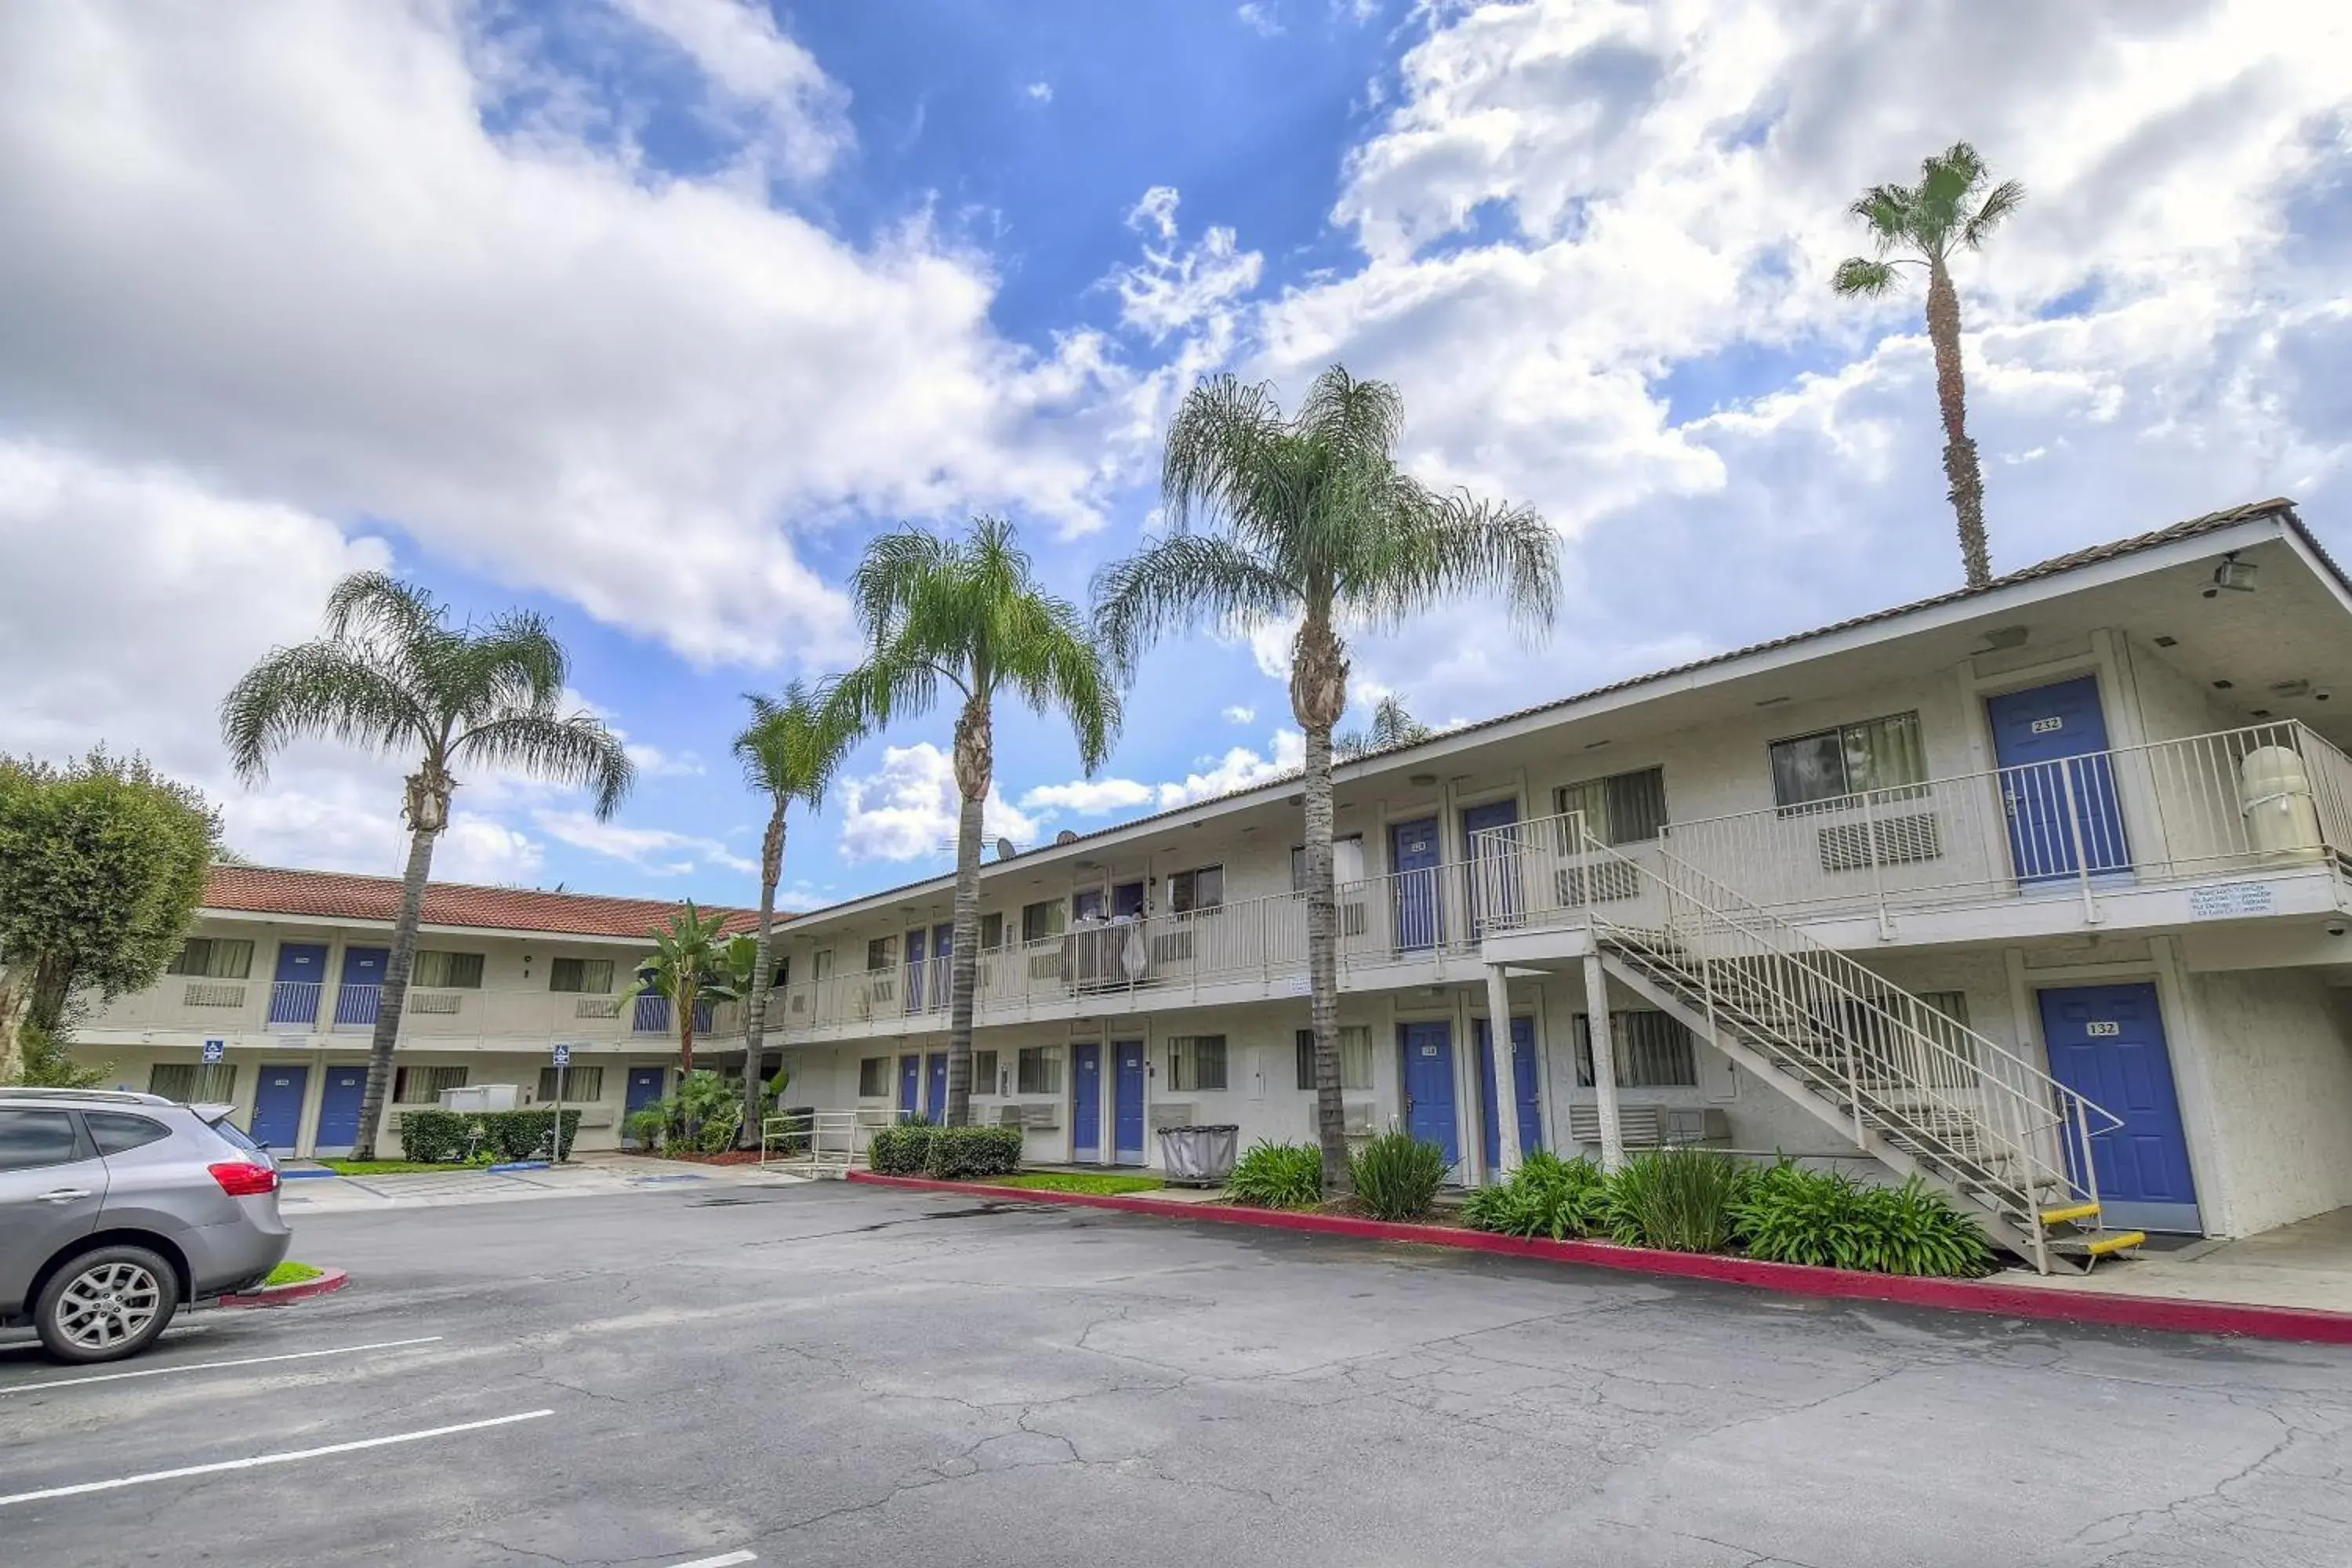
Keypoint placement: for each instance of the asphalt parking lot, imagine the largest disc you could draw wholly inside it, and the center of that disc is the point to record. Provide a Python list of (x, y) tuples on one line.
[(817, 1375)]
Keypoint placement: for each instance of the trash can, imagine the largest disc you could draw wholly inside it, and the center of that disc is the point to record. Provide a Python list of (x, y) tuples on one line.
[(1198, 1156)]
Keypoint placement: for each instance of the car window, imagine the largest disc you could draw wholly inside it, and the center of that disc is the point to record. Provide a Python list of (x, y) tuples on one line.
[(235, 1134), (116, 1133), (33, 1138)]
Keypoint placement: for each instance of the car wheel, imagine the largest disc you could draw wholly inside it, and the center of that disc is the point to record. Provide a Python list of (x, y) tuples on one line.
[(105, 1304)]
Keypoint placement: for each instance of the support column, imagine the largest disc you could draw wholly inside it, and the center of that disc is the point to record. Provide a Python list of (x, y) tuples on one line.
[(1506, 1083), (1604, 1063)]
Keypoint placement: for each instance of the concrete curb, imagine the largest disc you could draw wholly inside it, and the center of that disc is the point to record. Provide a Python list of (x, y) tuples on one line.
[(279, 1295), (2301, 1323)]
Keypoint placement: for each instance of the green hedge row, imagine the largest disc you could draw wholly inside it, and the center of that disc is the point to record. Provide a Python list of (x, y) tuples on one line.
[(443, 1137), (947, 1153)]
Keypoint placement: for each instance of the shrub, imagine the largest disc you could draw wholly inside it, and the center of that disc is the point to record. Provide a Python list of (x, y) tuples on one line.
[(1791, 1215), (1277, 1176), (715, 1132), (902, 1151), (433, 1137), (1397, 1175), (523, 1134), (1545, 1196), (648, 1126), (962, 1154), (1679, 1199)]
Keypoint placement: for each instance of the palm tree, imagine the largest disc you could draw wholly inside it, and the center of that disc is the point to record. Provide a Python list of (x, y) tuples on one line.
[(790, 751), (1392, 725), (689, 958), (392, 676), (970, 613), (1950, 210), (1317, 522)]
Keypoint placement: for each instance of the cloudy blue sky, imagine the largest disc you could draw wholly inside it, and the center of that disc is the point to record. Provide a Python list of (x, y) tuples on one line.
[(647, 312)]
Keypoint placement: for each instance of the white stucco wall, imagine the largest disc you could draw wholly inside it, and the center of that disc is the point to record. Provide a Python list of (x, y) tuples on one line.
[(2276, 1076)]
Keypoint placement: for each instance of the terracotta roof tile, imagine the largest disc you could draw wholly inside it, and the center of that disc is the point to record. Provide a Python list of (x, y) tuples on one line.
[(269, 890)]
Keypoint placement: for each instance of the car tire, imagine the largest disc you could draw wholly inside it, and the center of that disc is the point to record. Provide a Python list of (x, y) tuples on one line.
[(105, 1304)]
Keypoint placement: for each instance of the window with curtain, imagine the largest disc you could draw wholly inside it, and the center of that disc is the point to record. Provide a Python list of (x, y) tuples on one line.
[(881, 953), (1038, 1069), (422, 1086), (984, 1072), (1355, 1057), (1651, 1051), (1190, 892), (447, 971), (1196, 1063), (874, 1077), (592, 976), (214, 958), (992, 931), (1828, 764), (1622, 809), (195, 1083), (1042, 920), (581, 1084)]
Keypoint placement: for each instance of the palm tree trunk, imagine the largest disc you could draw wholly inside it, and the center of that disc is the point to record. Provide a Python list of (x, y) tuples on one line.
[(1319, 695), (755, 1012), (1966, 481), (975, 766), (393, 997), (684, 1005)]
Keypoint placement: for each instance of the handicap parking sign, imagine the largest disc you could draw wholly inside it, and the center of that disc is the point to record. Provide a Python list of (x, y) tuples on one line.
[(563, 1056), (215, 1050)]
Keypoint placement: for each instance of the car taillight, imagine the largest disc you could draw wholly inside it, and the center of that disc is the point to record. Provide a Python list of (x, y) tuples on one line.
[(239, 1179)]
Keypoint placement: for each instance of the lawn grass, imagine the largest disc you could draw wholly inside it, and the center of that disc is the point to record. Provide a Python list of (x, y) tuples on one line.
[(291, 1273), (392, 1167), (1079, 1181)]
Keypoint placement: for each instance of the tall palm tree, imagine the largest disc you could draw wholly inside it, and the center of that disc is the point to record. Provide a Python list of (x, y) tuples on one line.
[(970, 613), (392, 676), (790, 751), (1315, 521), (1948, 211), (689, 958), (1392, 725)]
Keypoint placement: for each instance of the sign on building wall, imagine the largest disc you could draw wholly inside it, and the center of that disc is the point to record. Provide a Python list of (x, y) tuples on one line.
[(2231, 900)]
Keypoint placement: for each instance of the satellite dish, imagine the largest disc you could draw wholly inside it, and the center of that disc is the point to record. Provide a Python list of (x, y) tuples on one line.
[(1005, 849), (1065, 837)]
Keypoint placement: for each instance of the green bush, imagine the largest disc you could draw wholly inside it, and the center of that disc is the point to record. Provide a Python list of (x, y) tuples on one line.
[(1277, 1176), (901, 1150), (1679, 1199), (445, 1137), (1397, 1175), (1791, 1215), (964, 1153), (524, 1134), (433, 1137), (715, 1132), (1545, 1196)]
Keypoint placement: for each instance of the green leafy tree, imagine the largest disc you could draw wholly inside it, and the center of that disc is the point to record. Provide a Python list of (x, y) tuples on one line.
[(969, 613), (1950, 210), (102, 867), (791, 751), (392, 676), (689, 966), (1315, 521)]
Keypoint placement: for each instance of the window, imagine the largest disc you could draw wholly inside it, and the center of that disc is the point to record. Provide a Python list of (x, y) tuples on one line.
[(992, 931), (1347, 862), (1876, 754), (1196, 1062), (1041, 920), (581, 1084), (447, 971), (1038, 1069), (195, 1083), (591, 975), (1355, 1057), (1088, 904), (422, 1086), (782, 974), (984, 1072), (881, 953), (1651, 1050), (116, 1132), (29, 1139), (214, 958), (821, 964), (1623, 808), (874, 1077), (1202, 889)]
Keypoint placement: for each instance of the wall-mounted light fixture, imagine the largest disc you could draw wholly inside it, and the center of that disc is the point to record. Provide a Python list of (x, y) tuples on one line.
[(2236, 575)]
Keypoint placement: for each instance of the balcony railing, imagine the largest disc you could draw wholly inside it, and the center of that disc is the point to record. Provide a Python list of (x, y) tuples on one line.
[(294, 1001)]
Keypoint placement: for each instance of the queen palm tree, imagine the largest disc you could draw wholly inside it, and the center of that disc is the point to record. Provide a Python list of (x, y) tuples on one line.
[(790, 751), (1315, 521), (970, 614), (1923, 226), (392, 676)]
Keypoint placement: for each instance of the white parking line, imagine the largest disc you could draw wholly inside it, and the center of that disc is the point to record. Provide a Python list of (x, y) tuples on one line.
[(259, 1461), (732, 1557), (212, 1365)]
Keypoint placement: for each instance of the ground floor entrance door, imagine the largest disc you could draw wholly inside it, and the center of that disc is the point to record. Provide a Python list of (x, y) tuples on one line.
[(935, 1084), (1524, 1094), (645, 1085), (339, 1111), (1428, 1085), (278, 1106), (1085, 1104), (911, 1085), (2106, 1043), (1126, 1104)]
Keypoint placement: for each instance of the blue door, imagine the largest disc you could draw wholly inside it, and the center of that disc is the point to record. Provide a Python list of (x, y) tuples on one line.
[(1525, 1093), (301, 970), (915, 955), (2051, 743), (1476, 820), (2106, 1043), (1085, 1104), (935, 1078), (278, 1106), (1126, 1104), (338, 1110), (645, 1085), (911, 1083), (1429, 1086), (1413, 856), (355, 999)]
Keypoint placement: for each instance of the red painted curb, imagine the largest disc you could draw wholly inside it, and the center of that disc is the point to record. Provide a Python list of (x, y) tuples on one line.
[(279, 1295), (2303, 1323)]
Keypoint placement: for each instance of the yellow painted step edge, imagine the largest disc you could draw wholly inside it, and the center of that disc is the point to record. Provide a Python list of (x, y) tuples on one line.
[(2116, 1241), (2072, 1210)]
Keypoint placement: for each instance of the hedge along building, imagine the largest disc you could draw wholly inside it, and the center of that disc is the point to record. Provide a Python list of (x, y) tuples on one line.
[(2034, 887), (280, 976)]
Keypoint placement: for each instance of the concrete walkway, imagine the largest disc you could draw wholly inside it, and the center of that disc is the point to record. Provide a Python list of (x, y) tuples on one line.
[(2308, 1264), (594, 1176)]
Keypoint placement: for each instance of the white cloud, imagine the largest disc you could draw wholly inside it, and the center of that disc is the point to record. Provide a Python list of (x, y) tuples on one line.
[(1181, 290), (659, 851), (1089, 797), (1240, 714), (1260, 17), (762, 85), (907, 809), (654, 762), (1239, 768), (1039, 93)]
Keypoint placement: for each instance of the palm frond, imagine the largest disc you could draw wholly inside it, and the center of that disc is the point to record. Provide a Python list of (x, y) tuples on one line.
[(369, 605), (895, 566), (2000, 203), (1182, 581), (1413, 549), (319, 690), (1043, 651), (794, 745), (1861, 276), (895, 680), (578, 750), (1214, 461)]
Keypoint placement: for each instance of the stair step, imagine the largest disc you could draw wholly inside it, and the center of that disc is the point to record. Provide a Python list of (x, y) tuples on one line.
[(2068, 1212), (2102, 1244)]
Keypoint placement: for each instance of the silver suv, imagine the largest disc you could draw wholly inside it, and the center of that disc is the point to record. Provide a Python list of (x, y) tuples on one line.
[(116, 1209)]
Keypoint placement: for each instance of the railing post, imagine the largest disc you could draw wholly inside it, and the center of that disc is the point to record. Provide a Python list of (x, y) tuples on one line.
[(1877, 883), (2074, 837)]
